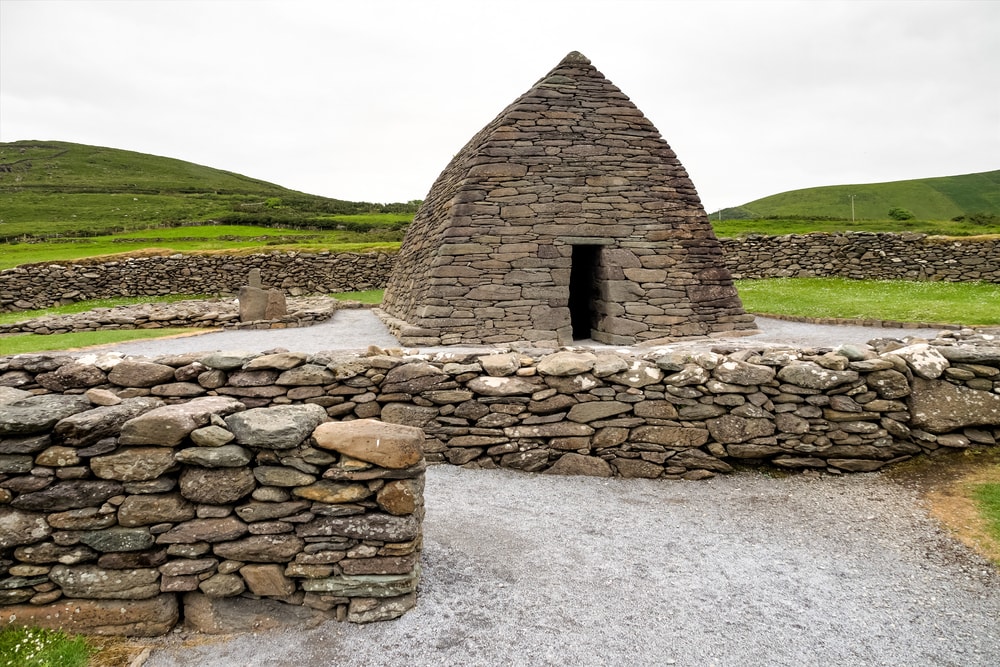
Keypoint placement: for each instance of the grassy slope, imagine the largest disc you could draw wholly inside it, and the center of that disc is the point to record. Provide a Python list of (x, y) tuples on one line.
[(927, 198), (50, 187)]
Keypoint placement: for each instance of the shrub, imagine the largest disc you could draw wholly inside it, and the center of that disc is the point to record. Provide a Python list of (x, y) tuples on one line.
[(899, 213)]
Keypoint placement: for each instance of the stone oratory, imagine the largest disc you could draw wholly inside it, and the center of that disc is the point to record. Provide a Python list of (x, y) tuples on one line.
[(567, 218)]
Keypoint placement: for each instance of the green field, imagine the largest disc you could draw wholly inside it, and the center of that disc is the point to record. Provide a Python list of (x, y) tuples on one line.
[(898, 300), (928, 199), (59, 189)]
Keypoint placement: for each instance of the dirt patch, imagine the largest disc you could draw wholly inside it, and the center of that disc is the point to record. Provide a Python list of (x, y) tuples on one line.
[(946, 484)]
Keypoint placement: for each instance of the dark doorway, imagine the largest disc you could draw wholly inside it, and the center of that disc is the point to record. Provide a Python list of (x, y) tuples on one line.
[(582, 289)]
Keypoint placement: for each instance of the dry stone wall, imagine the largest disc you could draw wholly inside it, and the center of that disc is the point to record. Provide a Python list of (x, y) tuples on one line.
[(44, 285), (121, 512), (859, 255), (848, 255), (188, 484)]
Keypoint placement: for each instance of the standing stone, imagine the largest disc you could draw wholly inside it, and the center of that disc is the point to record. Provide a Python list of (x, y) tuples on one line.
[(275, 308)]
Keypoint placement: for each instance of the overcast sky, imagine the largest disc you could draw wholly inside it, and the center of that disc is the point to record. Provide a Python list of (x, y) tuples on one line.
[(369, 99)]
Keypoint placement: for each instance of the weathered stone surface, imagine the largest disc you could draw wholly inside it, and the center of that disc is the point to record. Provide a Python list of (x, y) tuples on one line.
[(258, 511), (501, 386), (216, 486), (96, 583), (36, 414), (277, 427), (392, 446), (12, 395), (407, 414), (553, 430), (307, 375), (567, 363), (732, 429), (743, 373), (72, 376), (696, 459), (637, 468), (133, 373), (267, 580), (25, 445), (889, 384), (68, 495), (204, 530), (222, 585), (813, 376), (49, 552), (281, 361), (578, 464), (399, 497), (372, 526), (938, 406), (500, 365), (261, 548), (85, 428), (19, 527), (368, 610), (225, 456), (673, 436), (211, 436), (326, 491), (595, 410), (118, 539), (134, 618), (925, 361), (227, 615), (639, 374), (133, 464), (282, 476), (149, 509), (169, 425), (367, 585)]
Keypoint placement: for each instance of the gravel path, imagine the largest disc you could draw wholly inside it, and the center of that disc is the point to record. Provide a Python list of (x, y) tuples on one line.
[(524, 569), (351, 329)]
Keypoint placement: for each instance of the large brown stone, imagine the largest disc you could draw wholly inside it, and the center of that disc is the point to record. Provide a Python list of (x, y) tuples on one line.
[(225, 615), (133, 464), (132, 373), (131, 618), (399, 497), (392, 446), (204, 530), (148, 509), (261, 548), (578, 464)]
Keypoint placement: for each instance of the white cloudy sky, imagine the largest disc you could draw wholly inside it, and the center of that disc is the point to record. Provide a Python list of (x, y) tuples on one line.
[(369, 99)]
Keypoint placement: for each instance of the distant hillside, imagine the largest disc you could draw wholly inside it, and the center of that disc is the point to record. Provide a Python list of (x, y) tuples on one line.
[(57, 188), (940, 198)]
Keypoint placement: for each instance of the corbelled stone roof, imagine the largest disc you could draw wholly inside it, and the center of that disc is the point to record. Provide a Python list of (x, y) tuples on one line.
[(569, 184)]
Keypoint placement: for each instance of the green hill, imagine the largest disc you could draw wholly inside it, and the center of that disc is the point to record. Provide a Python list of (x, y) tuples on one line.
[(934, 199), (52, 188)]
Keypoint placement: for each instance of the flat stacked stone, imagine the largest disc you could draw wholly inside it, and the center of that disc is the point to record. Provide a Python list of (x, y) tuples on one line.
[(571, 163)]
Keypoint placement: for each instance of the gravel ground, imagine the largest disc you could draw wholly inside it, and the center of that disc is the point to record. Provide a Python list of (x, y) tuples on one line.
[(358, 328), (747, 569)]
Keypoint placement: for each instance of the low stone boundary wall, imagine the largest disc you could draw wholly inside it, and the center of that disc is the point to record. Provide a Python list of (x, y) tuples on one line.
[(861, 255), (121, 513), (295, 273), (221, 475), (201, 313), (853, 255)]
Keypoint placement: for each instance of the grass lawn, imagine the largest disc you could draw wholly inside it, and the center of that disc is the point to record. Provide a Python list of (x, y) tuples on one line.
[(988, 497), (904, 301), (23, 343), (30, 647), (205, 238), (367, 296)]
